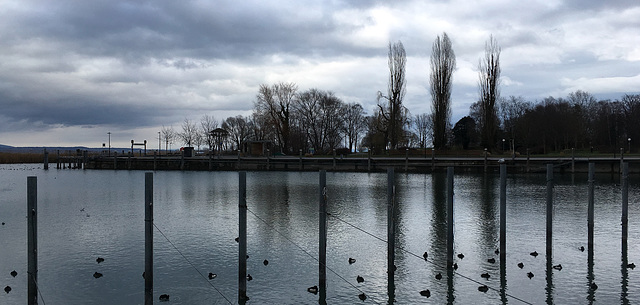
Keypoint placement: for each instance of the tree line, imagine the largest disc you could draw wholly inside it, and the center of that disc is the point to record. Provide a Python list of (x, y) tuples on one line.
[(318, 121)]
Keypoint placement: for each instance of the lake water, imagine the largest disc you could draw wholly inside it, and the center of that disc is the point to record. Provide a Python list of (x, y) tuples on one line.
[(85, 214)]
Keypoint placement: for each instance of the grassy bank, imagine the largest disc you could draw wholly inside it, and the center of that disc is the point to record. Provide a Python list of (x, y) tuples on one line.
[(14, 158)]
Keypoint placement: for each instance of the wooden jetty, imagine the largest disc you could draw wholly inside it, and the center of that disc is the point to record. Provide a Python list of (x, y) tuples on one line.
[(354, 163)]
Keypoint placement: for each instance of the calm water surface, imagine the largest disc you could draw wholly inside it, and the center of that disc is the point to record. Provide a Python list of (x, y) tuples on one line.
[(88, 214)]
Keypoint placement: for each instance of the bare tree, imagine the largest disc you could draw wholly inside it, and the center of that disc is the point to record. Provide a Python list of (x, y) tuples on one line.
[(239, 129), (307, 108), (443, 63), (355, 123), (489, 87), (393, 114), (320, 118), (259, 127), (168, 135), (189, 132), (423, 125), (207, 124), (274, 103)]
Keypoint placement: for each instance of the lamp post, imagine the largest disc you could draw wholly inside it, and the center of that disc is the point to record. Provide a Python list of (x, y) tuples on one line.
[(629, 140), (503, 145), (109, 133), (159, 143)]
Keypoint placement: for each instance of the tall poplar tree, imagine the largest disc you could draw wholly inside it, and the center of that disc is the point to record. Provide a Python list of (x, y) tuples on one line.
[(489, 87), (443, 63)]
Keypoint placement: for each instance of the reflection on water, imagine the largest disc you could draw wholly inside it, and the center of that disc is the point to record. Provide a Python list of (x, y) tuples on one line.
[(86, 214)]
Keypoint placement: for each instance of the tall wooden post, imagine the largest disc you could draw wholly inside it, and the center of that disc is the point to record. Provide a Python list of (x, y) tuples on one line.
[(334, 159), (450, 217), (433, 159), (268, 161), (503, 211), (391, 238), (406, 161), (573, 160), (485, 160), (590, 208), (391, 234), (32, 240), (549, 209), (148, 238), (621, 159), (182, 160), (625, 201), (242, 240), (301, 167), (322, 216), (46, 159)]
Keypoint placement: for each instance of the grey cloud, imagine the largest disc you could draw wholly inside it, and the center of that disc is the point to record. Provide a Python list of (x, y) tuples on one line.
[(104, 62), (134, 31)]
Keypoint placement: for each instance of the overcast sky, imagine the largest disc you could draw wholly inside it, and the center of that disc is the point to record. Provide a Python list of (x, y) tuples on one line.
[(71, 71)]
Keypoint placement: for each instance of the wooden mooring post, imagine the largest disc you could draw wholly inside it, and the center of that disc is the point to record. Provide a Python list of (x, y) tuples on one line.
[(322, 238), (391, 233), (46, 159), (148, 239), (549, 209), (590, 207), (503, 212), (32, 240), (242, 238), (573, 160), (621, 159), (450, 217), (625, 202), (406, 161), (485, 160)]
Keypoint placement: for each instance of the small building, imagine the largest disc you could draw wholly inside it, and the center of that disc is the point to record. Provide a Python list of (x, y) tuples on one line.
[(256, 148)]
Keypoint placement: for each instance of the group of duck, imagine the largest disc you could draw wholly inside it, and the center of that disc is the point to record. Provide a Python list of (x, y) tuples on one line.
[(360, 279), (486, 275), (7, 289)]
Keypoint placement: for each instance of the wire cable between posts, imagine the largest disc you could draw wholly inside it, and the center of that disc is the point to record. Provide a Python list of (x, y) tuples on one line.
[(192, 265), (38, 288), (430, 262), (307, 252)]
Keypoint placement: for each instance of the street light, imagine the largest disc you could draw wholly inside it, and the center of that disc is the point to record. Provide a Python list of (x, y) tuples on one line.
[(159, 143), (109, 133), (503, 145), (629, 140)]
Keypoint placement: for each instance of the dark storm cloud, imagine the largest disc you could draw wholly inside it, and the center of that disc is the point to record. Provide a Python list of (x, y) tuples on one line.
[(135, 31), (74, 111)]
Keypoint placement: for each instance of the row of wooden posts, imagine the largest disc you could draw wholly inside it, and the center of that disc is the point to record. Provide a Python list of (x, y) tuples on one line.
[(322, 247), (76, 162)]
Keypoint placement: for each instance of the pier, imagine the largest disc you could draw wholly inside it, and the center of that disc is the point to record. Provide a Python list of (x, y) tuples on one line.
[(359, 163)]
